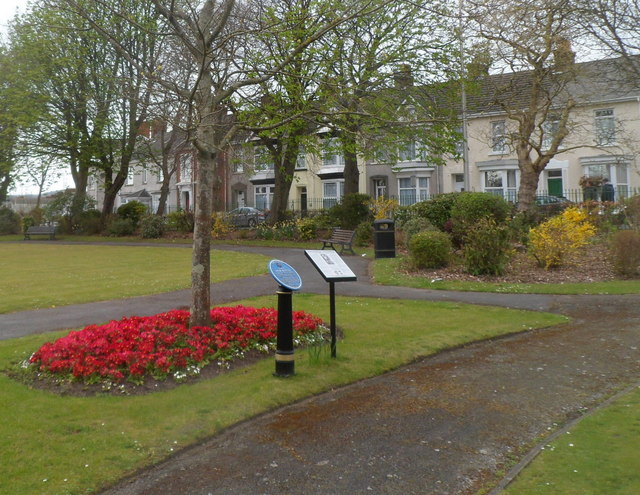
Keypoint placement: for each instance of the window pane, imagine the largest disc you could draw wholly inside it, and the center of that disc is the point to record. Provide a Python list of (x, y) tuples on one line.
[(498, 136), (404, 183), (493, 178), (605, 127), (330, 190)]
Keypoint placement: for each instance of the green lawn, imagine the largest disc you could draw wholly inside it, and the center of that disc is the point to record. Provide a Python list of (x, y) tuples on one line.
[(38, 276), (388, 272), (599, 456), (68, 445)]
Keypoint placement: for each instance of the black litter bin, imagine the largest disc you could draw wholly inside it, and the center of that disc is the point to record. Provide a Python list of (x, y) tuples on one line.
[(384, 239)]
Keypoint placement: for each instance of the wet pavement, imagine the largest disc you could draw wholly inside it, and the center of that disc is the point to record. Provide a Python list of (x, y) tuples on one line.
[(443, 425)]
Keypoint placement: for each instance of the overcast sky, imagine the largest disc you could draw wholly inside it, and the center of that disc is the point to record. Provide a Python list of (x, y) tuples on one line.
[(8, 9)]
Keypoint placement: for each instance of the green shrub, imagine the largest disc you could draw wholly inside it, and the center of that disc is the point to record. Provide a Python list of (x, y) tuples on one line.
[(430, 249), (281, 231), (402, 215), (471, 207), (625, 252), (133, 210), (487, 248), (322, 220), (120, 227), (307, 229), (28, 221), (437, 210), (364, 234), (182, 221), (631, 208), (89, 222), (152, 226), (64, 206), (351, 211), (413, 226), (9, 221), (38, 216)]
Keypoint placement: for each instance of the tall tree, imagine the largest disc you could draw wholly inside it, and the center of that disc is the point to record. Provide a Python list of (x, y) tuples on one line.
[(11, 101), (531, 44), (92, 103), (215, 37), (281, 111), (382, 80)]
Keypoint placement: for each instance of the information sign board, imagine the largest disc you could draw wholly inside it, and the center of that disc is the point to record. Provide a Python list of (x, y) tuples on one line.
[(330, 265)]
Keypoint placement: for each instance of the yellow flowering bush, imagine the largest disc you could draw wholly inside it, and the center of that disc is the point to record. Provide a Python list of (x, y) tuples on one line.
[(220, 225), (382, 207), (556, 241)]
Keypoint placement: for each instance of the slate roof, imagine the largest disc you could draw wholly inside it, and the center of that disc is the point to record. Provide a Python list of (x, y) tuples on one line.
[(590, 82)]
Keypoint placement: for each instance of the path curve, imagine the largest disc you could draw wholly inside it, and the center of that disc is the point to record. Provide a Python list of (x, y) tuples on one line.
[(444, 425)]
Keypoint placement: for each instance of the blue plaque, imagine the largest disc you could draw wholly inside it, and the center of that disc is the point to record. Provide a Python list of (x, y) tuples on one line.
[(285, 275)]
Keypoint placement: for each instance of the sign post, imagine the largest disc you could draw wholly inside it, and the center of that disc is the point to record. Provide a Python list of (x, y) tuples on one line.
[(288, 281), (333, 269)]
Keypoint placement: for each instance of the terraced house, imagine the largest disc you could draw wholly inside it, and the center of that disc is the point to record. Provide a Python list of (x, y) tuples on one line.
[(584, 129)]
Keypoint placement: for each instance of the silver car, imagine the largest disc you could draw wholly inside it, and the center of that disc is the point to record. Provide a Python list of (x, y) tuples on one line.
[(245, 216)]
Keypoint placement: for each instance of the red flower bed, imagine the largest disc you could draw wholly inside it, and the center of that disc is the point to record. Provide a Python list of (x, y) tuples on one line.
[(163, 344)]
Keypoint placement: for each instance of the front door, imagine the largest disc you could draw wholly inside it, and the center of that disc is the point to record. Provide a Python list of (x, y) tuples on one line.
[(554, 183)]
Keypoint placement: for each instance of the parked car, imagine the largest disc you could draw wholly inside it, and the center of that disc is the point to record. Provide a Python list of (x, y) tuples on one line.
[(546, 200), (246, 216)]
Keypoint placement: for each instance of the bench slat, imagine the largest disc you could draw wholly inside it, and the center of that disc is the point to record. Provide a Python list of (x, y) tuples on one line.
[(342, 237), (40, 230)]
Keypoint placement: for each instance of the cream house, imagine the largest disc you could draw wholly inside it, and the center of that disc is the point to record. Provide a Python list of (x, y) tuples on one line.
[(604, 140)]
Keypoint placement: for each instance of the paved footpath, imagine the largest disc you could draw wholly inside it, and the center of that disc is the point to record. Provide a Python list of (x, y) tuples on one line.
[(443, 425)]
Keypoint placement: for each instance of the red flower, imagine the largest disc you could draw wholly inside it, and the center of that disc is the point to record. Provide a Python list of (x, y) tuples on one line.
[(163, 343)]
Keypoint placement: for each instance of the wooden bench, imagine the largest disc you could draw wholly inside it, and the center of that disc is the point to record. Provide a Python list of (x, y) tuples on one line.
[(341, 237), (49, 230)]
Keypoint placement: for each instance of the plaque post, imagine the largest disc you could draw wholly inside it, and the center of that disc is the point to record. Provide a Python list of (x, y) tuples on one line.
[(332, 316), (285, 362), (288, 281), (333, 269)]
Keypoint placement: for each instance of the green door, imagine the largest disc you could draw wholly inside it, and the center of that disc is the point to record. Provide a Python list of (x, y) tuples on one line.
[(554, 186)]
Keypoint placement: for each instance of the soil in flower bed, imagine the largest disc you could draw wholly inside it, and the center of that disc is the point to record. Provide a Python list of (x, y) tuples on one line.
[(148, 385), (593, 264), (137, 355)]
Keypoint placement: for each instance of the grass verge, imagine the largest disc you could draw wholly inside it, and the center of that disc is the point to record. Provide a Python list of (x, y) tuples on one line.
[(36, 276), (598, 456), (387, 272), (74, 445)]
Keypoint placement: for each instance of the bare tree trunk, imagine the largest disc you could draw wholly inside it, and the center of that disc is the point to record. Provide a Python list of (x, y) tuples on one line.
[(164, 194), (528, 186), (201, 256), (351, 172)]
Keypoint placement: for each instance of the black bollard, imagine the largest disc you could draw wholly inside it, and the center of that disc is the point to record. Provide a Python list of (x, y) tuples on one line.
[(285, 363)]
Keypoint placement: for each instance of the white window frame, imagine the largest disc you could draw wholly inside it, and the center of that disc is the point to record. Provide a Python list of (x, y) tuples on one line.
[(331, 155), (605, 127), (549, 130), (160, 175), (130, 177), (330, 198), (380, 187), (617, 172), (301, 159), (186, 167), (263, 196), (413, 189), (501, 182), (498, 137)]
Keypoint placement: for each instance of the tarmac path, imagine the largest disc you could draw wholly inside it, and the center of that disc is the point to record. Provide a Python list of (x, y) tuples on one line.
[(444, 425)]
